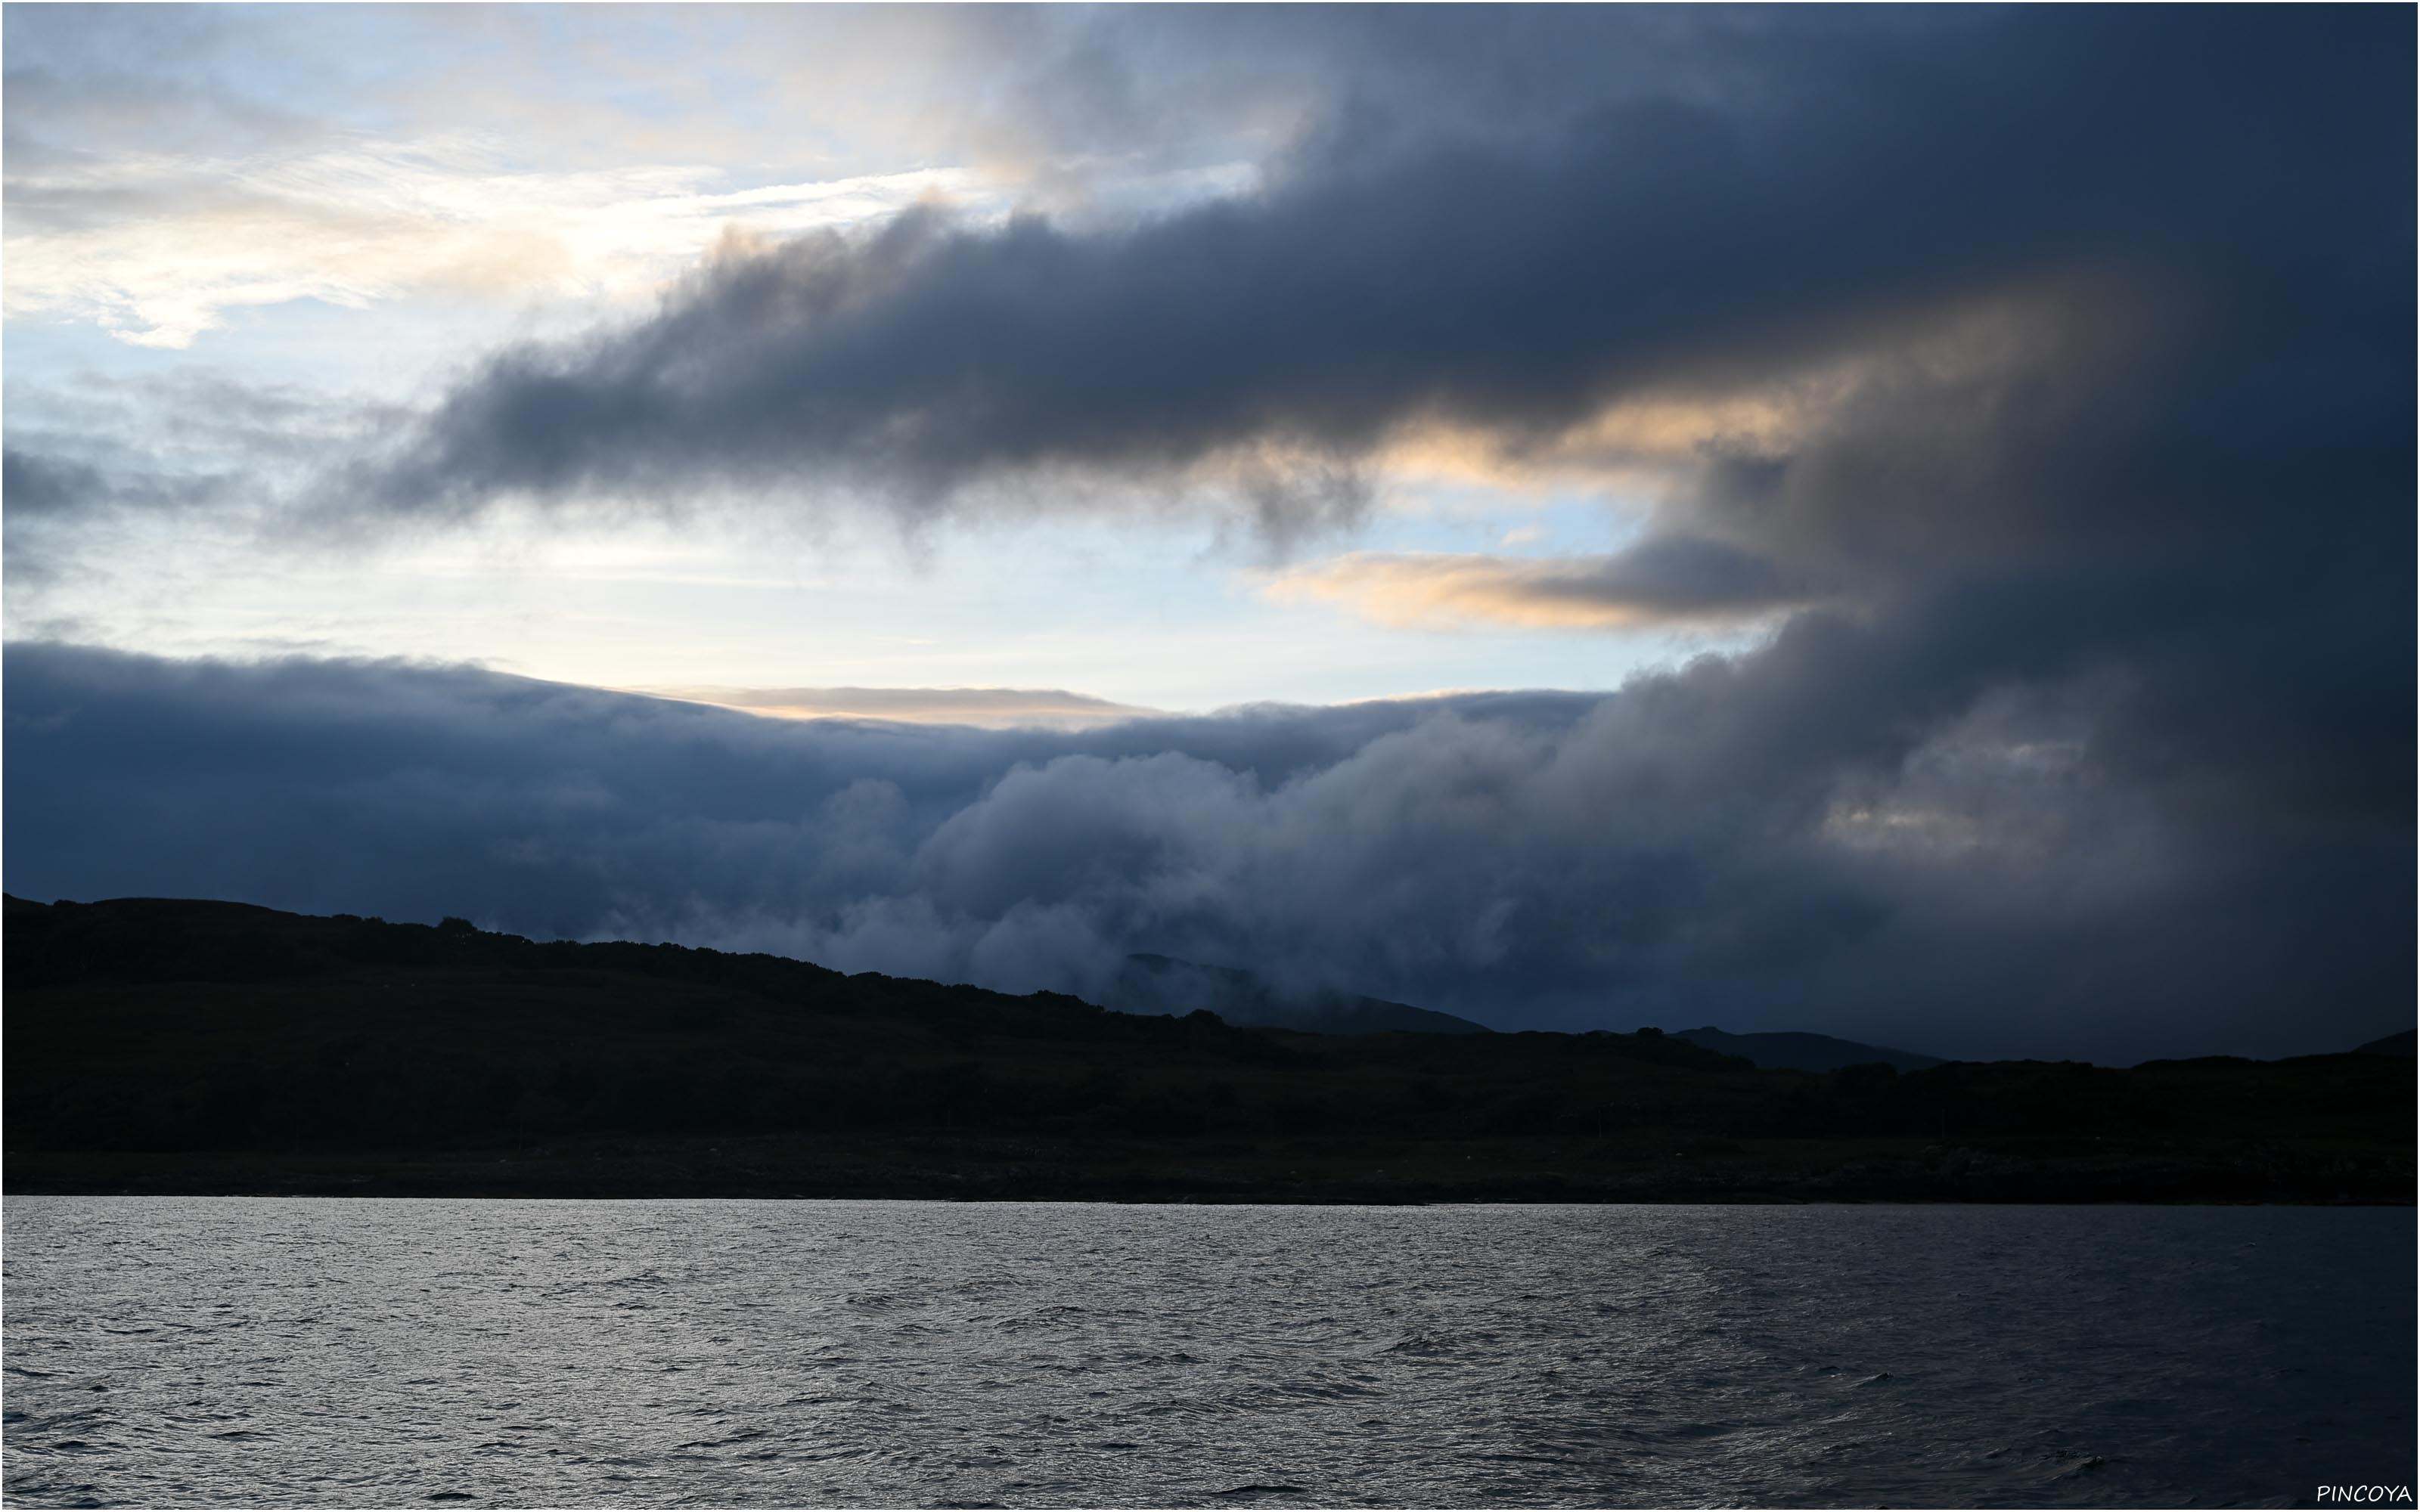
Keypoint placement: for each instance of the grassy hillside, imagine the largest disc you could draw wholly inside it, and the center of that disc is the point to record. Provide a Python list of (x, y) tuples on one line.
[(177, 1045)]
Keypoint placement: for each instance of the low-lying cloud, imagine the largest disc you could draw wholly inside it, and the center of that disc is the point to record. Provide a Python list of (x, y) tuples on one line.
[(1698, 847)]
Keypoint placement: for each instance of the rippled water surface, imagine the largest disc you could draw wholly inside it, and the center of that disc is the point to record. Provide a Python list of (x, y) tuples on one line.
[(237, 1351)]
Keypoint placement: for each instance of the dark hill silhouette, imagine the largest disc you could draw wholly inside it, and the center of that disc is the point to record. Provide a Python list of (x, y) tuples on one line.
[(2393, 1044), (1164, 984), (166, 1045), (1790, 1050)]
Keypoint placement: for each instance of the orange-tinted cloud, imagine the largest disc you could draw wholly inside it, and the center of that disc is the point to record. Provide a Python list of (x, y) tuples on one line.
[(989, 709), (1671, 581)]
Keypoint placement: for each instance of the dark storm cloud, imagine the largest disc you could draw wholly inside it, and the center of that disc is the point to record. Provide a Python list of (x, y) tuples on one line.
[(1829, 187), (1703, 845)]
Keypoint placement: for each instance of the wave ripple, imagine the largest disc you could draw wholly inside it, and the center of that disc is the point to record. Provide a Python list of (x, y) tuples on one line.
[(346, 1352)]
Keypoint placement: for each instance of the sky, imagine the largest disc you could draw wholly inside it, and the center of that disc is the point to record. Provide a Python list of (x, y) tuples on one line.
[(1887, 521)]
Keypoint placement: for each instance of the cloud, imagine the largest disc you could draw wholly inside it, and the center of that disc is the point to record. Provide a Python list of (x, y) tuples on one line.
[(1271, 344), (2044, 372), (157, 248), (57, 507), (1644, 250), (1738, 840), (989, 708), (154, 189), (1670, 580), (93, 463), (35, 484)]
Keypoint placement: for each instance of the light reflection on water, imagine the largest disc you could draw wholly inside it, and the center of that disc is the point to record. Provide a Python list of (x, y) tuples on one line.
[(232, 1351)]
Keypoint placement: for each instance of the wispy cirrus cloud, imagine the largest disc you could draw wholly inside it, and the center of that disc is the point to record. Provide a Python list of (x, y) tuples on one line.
[(158, 247)]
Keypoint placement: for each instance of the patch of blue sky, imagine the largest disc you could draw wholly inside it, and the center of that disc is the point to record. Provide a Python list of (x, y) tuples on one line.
[(1529, 522)]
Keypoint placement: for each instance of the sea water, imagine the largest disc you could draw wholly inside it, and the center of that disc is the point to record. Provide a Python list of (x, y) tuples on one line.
[(294, 1351)]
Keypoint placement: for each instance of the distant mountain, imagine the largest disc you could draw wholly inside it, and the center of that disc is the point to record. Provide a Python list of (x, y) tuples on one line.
[(2393, 1044), (1164, 984), (1790, 1051)]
